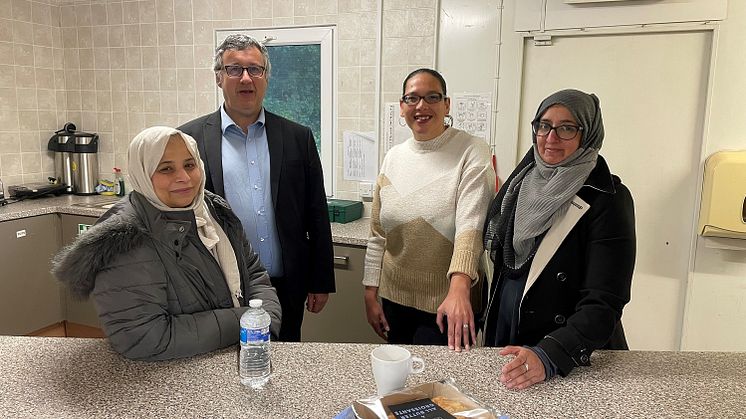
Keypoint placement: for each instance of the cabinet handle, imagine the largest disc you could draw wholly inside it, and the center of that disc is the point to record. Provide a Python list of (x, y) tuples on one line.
[(341, 261)]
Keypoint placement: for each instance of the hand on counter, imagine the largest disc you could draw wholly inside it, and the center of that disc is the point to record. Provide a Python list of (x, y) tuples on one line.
[(373, 310), (523, 371), (457, 309), (316, 302)]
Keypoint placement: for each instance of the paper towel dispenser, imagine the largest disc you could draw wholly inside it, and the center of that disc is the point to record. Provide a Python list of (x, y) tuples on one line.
[(723, 209)]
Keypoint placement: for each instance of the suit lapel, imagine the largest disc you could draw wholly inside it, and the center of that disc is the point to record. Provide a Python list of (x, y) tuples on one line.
[(553, 239), (274, 127), (213, 135)]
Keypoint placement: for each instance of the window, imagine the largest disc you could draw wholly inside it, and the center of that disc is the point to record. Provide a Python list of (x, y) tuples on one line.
[(301, 86)]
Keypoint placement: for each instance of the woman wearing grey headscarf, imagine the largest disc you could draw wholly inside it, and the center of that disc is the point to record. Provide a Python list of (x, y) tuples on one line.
[(169, 268), (561, 233)]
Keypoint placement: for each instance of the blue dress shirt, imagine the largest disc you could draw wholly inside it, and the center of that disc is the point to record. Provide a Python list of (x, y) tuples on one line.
[(248, 189)]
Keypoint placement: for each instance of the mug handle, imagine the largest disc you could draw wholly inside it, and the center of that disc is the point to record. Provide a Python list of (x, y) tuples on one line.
[(416, 369)]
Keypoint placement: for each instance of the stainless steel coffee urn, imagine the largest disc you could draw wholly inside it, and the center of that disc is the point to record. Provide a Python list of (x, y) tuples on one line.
[(75, 159), (63, 145)]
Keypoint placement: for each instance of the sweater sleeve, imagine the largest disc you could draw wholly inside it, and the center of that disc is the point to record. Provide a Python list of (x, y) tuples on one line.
[(376, 241), (475, 191)]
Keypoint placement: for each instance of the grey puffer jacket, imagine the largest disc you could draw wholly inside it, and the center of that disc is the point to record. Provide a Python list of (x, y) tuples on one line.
[(158, 291)]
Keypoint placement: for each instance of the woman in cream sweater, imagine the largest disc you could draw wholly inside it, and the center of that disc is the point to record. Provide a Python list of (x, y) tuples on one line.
[(425, 243)]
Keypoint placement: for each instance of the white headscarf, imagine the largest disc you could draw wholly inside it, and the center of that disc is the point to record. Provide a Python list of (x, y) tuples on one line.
[(145, 153)]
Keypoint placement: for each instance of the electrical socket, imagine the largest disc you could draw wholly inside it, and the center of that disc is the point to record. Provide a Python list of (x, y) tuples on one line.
[(365, 189)]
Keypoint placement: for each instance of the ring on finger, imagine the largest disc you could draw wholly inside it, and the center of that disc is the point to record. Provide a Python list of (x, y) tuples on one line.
[(466, 325), (526, 365)]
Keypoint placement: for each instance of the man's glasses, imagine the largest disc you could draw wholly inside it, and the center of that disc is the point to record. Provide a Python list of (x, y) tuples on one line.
[(431, 98), (564, 132), (237, 70)]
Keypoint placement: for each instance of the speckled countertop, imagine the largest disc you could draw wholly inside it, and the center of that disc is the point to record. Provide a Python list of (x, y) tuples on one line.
[(68, 377), (353, 233)]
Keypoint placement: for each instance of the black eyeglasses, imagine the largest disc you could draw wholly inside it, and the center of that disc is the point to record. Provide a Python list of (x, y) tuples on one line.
[(564, 132), (237, 70), (431, 98)]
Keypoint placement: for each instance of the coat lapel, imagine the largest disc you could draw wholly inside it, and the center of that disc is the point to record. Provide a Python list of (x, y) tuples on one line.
[(213, 135), (274, 127), (553, 239)]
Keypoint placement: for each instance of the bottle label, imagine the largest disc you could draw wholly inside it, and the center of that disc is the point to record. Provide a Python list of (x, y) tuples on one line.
[(254, 335)]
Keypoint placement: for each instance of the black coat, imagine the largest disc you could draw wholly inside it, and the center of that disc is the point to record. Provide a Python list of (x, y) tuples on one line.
[(575, 304), (298, 196)]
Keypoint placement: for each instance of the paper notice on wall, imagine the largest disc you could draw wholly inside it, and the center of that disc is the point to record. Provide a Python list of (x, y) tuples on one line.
[(360, 157), (395, 129), (473, 113)]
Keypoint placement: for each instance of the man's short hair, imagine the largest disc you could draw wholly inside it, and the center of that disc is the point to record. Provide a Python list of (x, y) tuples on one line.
[(240, 42)]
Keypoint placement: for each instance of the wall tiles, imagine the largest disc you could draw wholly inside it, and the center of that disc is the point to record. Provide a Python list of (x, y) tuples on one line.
[(21, 10), (114, 13), (29, 141), (304, 8), (183, 10), (99, 14), (26, 99), (164, 10), (261, 9), (11, 163), (203, 32), (10, 142), (147, 11), (115, 67), (8, 100), (6, 30), (282, 8)]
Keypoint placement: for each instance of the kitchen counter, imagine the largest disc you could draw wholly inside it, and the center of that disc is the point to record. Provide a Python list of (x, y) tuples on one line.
[(67, 377), (354, 233)]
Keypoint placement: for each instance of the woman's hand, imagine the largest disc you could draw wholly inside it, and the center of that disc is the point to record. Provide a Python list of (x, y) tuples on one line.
[(373, 310), (524, 370), (457, 309)]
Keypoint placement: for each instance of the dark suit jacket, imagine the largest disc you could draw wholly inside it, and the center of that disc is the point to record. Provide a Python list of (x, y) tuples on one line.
[(575, 305), (298, 195)]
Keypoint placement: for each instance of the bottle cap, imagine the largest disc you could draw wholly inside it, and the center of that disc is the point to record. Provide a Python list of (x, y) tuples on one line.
[(255, 303)]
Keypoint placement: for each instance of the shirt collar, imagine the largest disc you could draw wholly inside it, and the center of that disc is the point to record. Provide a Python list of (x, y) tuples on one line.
[(226, 121)]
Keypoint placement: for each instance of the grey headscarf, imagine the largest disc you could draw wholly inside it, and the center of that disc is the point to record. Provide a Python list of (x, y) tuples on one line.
[(541, 192)]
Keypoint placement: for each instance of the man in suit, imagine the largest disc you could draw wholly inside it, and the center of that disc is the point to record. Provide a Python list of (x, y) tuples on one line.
[(269, 170)]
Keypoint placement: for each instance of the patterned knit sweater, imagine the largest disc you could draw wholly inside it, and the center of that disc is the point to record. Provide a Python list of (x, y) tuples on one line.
[(430, 201)]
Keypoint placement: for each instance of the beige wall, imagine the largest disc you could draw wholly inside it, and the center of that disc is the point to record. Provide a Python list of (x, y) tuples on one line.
[(715, 309), (32, 101), (116, 67)]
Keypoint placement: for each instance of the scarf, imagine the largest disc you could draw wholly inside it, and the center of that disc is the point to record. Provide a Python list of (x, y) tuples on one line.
[(144, 155), (541, 193)]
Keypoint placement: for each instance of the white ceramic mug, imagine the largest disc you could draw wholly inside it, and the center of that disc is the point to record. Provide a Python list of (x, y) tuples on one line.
[(392, 365)]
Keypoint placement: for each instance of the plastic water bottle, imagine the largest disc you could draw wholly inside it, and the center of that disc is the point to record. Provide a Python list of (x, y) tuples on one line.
[(254, 364)]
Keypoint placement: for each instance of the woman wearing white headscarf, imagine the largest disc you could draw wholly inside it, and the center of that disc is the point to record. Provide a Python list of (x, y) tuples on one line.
[(561, 233), (169, 268)]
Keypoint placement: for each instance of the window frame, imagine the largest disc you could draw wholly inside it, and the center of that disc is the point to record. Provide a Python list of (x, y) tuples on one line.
[(326, 37)]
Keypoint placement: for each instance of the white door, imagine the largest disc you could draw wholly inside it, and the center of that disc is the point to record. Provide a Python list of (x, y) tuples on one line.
[(652, 88)]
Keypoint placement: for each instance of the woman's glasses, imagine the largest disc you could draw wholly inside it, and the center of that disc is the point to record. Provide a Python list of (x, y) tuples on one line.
[(431, 98), (564, 132)]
